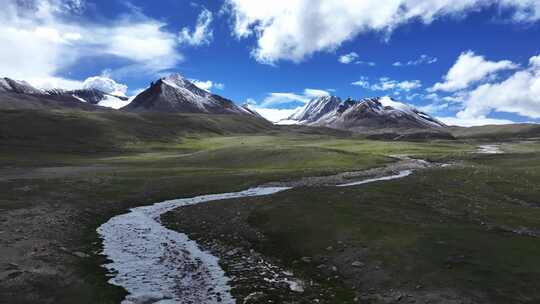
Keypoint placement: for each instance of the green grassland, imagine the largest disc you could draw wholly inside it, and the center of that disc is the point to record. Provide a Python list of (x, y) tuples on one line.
[(93, 165), (471, 228)]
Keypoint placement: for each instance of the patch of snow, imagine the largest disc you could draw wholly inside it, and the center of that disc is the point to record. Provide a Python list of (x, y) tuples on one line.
[(294, 284), (401, 174), (158, 265), (175, 80), (388, 102), (113, 102), (288, 122), (78, 98), (489, 149)]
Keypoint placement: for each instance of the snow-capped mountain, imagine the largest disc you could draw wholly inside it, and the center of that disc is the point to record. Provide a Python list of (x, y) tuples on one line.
[(8, 85), (364, 114), (316, 108), (53, 98), (175, 93), (93, 96)]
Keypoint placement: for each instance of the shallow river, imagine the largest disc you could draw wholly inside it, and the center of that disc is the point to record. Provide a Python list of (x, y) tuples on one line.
[(158, 265)]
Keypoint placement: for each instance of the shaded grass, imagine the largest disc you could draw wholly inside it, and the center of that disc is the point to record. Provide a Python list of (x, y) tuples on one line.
[(440, 228)]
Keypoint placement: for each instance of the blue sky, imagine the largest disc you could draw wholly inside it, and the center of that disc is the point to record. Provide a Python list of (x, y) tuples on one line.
[(466, 61)]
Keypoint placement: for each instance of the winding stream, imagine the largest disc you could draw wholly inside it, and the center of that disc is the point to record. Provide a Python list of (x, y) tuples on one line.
[(401, 174), (158, 265)]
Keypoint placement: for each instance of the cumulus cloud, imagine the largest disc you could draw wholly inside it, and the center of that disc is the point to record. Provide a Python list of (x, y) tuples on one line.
[(106, 85), (208, 85), (385, 84), (44, 39), (470, 69), (295, 29), (519, 94), (423, 59), (202, 34)]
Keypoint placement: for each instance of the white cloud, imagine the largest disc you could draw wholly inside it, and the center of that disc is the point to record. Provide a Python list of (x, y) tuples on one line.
[(316, 93), (433, 108), (208, 85), (352, 57), (274, 115), (519, 94), (50, 82), (106, 85), (348, 58), (470, 68), (143, 41), (385, 84), (202, 34), (295, 29), (44, 39), (273, 106), (471, 122), (368, 63), (275, 99), (423, 59)]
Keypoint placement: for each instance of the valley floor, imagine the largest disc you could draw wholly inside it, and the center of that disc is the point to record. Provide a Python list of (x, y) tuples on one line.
[(466, 232)]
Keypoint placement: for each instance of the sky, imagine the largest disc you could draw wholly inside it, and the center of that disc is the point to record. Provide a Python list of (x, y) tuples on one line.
[(467, 62)]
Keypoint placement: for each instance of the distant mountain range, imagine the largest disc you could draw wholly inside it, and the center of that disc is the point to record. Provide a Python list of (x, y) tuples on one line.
[(176, 94), (361, 115), (171, 94)]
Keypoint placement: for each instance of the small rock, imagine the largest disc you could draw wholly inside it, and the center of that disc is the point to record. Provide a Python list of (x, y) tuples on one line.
[(81, 255), (233, 251), (306, 259), (10, 274), (253, 297), (12, 266), (357, 264)]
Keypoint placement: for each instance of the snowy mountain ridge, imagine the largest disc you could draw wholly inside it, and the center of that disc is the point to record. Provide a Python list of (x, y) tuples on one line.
[(367, 113), (87, 95)]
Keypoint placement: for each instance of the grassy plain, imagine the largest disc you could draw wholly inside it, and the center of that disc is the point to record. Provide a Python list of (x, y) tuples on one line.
[(467, 233), (64, 173)]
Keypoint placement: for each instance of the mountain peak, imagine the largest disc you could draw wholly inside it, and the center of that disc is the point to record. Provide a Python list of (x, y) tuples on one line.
[(175, 80), (316, 108), (176, 94), (367, 113)]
